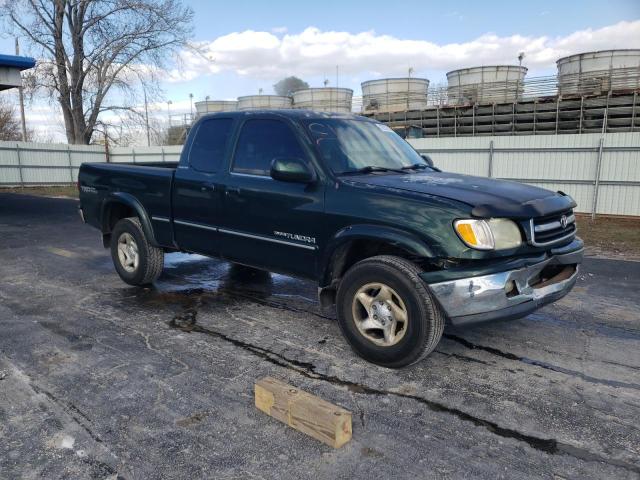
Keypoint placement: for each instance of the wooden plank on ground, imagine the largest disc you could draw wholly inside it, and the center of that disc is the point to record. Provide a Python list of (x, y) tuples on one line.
[(304, 412)]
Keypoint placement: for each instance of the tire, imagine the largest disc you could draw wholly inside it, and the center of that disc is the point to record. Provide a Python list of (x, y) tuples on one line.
[(150, 260), (406, 297)]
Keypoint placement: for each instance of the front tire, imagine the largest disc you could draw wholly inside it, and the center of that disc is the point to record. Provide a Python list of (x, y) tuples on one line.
[(386, 312), (136, 260)]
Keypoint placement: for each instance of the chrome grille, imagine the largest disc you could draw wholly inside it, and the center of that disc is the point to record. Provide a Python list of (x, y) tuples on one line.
[(553, 228)]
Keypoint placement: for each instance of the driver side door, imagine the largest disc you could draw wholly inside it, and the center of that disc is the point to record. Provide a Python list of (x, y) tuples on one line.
[(265, 222)]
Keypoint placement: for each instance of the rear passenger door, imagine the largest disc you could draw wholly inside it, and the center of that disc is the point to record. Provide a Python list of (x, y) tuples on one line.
[(198, 190), (266, 222)]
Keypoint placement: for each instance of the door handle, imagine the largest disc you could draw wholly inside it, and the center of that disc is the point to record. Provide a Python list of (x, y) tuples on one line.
[(234, 190), (208, 187)]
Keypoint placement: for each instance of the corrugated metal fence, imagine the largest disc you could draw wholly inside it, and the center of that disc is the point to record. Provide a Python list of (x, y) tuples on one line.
[(600, 171), (145, 154), (23, 164)]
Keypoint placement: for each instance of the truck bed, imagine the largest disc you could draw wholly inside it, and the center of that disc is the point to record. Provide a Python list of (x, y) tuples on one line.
[(149, 183)]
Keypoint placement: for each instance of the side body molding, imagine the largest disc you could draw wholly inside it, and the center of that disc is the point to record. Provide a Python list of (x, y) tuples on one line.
[(130, 201)]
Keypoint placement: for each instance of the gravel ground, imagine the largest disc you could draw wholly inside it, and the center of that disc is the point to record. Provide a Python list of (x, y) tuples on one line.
[(102, 380)]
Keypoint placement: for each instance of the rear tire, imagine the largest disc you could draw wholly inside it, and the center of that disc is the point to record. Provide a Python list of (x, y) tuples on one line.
[(386, 312), (136, 260)]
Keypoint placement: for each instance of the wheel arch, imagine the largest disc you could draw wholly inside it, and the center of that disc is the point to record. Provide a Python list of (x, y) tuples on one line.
[(355, 243), (120, 205)]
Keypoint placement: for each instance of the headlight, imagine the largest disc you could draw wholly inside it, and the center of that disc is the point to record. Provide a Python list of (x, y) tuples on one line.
[(491, 234)]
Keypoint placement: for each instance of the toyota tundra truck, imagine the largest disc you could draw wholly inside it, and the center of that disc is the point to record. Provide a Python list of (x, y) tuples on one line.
[(396, 246)]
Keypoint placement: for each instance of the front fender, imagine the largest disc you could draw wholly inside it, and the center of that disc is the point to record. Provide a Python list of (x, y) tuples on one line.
[(132, 202), (401, 239)]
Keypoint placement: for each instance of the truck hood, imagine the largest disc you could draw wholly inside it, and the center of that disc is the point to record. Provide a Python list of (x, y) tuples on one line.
[(488, 197)]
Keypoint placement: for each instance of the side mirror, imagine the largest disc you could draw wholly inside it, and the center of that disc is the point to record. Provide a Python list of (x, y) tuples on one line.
[(293, 169), (427, 159)]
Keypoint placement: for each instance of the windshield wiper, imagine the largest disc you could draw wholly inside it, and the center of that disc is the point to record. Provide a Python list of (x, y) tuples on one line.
[(421, 166), (416, 166), (373, 168)]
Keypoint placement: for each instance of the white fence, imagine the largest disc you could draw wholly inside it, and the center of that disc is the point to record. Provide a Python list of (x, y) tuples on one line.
[(145, 154), (24, 164), (600, 171)]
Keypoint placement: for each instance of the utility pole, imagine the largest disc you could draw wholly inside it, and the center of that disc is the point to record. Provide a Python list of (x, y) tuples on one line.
[(21, 93), (146, 116), (191, 107)]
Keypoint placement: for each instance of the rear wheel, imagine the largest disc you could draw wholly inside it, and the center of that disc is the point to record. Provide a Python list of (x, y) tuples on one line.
[(386, 312), (136, 260)]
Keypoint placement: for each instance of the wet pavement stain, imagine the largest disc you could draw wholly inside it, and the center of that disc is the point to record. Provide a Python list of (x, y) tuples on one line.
[(192, 420), (79, 342), (541, 364), (371, 452), (234, 285)]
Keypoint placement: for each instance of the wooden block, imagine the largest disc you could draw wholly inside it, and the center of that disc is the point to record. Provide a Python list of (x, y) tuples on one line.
[(304, 412)]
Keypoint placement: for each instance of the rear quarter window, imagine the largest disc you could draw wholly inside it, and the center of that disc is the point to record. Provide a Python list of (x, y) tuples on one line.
[(210, 144)]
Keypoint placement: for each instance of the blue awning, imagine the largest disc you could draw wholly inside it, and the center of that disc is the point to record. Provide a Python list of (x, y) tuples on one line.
[(13, 61)]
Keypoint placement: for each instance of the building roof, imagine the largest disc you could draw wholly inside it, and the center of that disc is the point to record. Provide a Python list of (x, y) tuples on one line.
[(14, 61)]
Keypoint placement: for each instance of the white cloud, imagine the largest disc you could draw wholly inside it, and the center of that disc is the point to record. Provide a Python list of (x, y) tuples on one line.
[(266, 55)]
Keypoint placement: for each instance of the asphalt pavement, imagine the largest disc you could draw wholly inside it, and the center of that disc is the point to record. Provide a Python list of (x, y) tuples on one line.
[(102, 380)]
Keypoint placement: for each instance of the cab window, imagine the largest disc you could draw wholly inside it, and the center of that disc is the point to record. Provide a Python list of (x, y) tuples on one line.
[(262, 140), (210, 144)]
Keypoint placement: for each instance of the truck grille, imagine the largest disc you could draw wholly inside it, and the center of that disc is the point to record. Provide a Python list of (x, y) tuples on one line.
[(553, 228)]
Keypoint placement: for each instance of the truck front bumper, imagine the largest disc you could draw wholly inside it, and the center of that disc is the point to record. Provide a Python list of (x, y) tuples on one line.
[(508, 294)]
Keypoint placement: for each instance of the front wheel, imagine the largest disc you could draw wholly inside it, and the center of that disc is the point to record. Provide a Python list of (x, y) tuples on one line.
[(136, 260), (386, 312)]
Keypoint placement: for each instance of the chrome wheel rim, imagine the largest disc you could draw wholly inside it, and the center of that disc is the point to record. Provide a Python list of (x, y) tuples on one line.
[(380, 314), (128, 252)]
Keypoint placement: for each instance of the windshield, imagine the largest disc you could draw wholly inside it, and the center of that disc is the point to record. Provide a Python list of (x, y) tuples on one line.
[(352, 145)]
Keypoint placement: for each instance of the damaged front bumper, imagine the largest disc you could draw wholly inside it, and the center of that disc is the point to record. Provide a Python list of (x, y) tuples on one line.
[(512, 293)]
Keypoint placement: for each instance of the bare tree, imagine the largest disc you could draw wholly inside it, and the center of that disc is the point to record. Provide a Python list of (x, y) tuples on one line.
[(288, 85), (91, 48), (9, 123), (129, 127)]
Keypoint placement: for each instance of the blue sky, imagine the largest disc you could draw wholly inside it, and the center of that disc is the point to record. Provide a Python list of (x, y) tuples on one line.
[(252, 44), (442, 21)]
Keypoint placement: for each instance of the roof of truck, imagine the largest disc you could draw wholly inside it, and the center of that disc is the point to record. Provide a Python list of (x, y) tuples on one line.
[(288, 112)]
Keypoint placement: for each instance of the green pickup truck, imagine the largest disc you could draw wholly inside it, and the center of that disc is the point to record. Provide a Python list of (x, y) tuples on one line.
[(397, 247)]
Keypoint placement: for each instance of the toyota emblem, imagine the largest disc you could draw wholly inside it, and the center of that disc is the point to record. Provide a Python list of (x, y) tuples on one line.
[(563, 221)]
